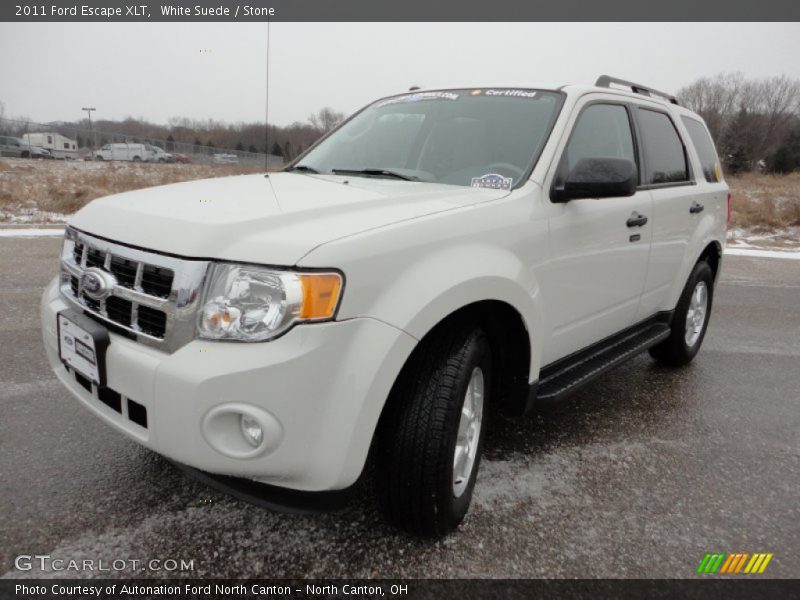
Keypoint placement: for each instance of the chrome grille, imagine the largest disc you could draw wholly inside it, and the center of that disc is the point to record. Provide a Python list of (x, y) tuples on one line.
[(154, 298)]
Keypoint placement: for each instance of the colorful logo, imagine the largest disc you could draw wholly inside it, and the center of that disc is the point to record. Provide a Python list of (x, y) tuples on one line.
[(735, 563)]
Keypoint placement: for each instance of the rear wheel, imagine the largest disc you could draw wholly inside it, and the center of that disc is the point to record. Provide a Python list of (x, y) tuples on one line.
[(431, 437), (137, 159), (690, 321)]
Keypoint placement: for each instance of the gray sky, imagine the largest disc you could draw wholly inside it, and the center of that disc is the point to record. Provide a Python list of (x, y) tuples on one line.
[(49, 71)]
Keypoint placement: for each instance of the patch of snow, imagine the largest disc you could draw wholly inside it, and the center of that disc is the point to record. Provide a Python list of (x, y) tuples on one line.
[(24, 233), (758, 253)]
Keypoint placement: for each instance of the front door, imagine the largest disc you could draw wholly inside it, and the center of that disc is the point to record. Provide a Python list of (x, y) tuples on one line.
[(599, 248)]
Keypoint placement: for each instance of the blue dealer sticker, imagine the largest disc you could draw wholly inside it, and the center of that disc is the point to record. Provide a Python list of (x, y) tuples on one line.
[(492, 181)]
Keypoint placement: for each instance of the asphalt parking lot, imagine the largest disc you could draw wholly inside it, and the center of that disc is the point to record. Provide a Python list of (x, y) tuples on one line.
[(638, 476)]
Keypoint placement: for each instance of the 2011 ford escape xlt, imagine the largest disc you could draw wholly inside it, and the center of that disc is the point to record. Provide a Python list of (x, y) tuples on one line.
[(442, 254)]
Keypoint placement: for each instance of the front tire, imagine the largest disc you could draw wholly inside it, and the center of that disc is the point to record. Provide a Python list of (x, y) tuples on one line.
[(690, 321), (431, 436)]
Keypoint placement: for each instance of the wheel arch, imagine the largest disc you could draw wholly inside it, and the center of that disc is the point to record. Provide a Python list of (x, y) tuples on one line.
[(712, 254), (510, 342)]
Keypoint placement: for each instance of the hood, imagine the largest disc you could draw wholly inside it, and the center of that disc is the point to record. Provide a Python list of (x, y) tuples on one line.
[(275, 220)]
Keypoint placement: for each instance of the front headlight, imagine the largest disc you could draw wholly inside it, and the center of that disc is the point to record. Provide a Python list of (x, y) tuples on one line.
[(253, 304)]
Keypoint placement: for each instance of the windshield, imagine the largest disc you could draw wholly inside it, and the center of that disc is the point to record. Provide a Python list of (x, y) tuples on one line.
[(488, 137)]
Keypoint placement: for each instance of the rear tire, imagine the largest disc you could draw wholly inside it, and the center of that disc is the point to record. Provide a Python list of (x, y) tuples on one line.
[(690, 321), (431, 435)]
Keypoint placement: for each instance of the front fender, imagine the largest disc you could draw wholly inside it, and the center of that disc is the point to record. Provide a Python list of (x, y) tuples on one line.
[(414, 274), (429, 286)]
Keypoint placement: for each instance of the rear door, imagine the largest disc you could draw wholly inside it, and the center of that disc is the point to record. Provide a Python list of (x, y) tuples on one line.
[(598, 261), (669, 176)]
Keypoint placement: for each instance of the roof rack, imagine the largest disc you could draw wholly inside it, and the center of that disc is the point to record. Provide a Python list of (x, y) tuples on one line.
[(606, 81)]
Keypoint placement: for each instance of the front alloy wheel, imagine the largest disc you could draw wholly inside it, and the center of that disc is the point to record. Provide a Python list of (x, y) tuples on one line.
[(431, 433), (469, 433)]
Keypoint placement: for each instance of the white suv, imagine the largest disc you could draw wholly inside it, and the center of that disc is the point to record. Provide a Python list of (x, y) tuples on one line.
[(441, 255)]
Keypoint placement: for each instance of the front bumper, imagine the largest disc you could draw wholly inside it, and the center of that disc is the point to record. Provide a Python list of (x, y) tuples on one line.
[(321, 388)]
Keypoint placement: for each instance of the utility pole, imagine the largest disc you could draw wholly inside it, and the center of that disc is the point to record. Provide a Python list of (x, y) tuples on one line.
[(89, 110)]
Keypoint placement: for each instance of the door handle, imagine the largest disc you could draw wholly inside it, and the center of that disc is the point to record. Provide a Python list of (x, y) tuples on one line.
[(696, 207), (636, 220)]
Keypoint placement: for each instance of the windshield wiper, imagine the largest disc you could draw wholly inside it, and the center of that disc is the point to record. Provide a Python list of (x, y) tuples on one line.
[(302, 168), (378, 172)]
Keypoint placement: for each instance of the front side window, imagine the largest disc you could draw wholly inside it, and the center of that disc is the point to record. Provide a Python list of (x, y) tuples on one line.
[(665, 156), (479, 137), (705, 149), (602, 131)]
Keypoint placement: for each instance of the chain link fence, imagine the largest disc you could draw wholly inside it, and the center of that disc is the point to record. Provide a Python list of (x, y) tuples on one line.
[(75, 142)]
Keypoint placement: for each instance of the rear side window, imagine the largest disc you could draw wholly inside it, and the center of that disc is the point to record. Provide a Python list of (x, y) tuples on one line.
[(665, 157), (705, 149)]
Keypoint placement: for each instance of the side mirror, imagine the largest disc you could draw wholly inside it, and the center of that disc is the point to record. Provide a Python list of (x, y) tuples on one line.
[(599, 178)]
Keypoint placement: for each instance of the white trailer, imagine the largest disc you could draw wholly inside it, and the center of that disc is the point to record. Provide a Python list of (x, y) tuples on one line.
[(59, 145)]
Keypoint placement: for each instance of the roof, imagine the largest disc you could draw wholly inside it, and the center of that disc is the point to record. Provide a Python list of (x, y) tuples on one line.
[(603, 84)]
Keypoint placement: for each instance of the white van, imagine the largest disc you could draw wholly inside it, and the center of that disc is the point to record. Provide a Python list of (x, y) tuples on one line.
[(131, 152), (59, 145)]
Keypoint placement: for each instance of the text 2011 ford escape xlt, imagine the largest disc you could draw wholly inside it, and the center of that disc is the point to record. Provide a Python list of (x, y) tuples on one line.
[(441, 255)]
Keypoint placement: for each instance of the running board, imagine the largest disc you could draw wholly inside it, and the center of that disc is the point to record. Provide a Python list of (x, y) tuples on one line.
[(567, 375)]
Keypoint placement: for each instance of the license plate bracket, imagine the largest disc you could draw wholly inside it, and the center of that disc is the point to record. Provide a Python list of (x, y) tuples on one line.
[(82, 345)]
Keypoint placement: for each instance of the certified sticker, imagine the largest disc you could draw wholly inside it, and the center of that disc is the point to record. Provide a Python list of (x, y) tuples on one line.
[(512, 93), (492, 181)]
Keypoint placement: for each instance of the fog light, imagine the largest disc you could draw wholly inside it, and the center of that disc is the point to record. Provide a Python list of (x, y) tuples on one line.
[(251, 430)]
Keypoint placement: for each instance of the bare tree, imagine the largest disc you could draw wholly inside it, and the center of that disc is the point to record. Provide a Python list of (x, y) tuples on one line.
[(325, 119), (749, 118)]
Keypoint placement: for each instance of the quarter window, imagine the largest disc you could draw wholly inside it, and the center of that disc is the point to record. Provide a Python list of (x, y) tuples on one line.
[(665, 156), (705, 149), (602, 131)]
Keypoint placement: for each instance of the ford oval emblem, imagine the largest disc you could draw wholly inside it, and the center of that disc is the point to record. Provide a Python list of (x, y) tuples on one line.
[(97, 284)]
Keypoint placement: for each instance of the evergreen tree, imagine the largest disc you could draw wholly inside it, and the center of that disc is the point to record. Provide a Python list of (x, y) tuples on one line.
[(276, 149), (786, 157), (737, 160), (252, 149), (735, 144)]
